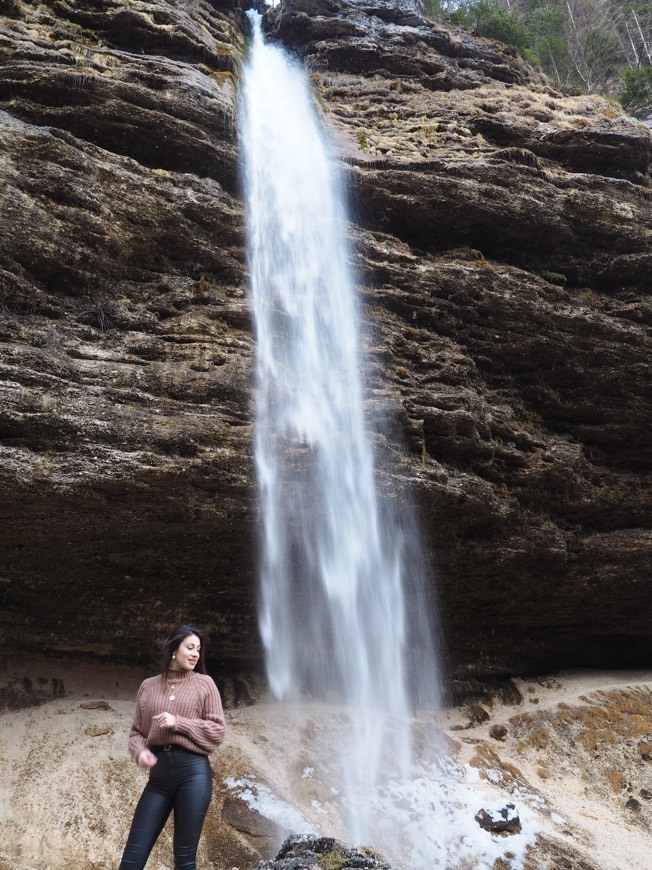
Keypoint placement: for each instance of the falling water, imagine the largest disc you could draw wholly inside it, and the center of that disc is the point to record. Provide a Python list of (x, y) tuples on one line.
[(333, 612)]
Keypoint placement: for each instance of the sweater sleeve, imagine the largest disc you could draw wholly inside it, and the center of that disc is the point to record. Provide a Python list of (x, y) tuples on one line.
[(208, 731), (138, 733)]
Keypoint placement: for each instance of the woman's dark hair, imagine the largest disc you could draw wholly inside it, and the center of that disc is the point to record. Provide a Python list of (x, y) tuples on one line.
[(171, 645)]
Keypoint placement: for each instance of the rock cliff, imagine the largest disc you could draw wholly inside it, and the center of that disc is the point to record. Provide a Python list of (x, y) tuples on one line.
[(502, 238)]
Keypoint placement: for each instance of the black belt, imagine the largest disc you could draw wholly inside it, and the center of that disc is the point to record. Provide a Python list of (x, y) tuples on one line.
[(169, 747)]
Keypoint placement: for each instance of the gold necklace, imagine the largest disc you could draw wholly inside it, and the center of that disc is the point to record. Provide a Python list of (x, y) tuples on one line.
[(174, 686)]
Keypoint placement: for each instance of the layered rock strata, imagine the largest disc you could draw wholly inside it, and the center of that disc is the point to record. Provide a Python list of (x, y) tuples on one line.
[(502, 238), (126, 340)]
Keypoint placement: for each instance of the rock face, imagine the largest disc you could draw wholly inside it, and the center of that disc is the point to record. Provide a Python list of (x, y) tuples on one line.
[(503, 234), (126, 406), (502, 237)]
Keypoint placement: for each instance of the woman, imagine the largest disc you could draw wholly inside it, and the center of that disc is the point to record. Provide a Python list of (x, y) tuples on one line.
[(178, 722)]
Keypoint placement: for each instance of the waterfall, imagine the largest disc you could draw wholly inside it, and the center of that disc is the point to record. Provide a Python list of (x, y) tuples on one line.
[(335, 619)]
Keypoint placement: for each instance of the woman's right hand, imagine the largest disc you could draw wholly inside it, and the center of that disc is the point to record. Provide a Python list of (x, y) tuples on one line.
[(146, 759)]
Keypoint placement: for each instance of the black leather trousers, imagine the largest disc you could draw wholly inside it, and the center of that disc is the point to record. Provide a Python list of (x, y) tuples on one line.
[(180, 781)]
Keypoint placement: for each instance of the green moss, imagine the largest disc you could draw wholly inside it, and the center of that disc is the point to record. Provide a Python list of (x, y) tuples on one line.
[(554, 277), (363, 139), (70, 31), (529, 421), (333, 860), (588, 297), (502, 490), (219, 76), (208, 288), (223, 49)]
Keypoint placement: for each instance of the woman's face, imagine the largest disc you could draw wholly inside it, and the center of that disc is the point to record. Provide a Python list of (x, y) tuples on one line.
[(187, 654)]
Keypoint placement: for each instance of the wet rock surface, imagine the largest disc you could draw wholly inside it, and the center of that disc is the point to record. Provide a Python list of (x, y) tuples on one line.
[(503, 821), (304, 853), (502, 239)]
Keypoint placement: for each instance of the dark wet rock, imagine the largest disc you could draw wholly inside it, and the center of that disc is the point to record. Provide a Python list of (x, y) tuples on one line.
[(646, 794), (477, 714), (485, 690), (306, 852), (504, 821), (247, 820), (633, 804), (19, 693), (498, 732)]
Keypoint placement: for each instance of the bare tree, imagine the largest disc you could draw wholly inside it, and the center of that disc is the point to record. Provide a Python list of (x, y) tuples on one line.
[(646, 38), (595, 50)]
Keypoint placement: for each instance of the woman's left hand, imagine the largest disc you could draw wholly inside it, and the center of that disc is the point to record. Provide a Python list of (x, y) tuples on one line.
[(165, 720)]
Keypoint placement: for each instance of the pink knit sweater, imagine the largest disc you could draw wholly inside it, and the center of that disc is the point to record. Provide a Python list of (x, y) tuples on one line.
[(200, 724)]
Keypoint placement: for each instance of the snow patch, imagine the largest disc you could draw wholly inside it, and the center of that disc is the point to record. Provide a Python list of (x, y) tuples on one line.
[(260, 798), (435, 815)]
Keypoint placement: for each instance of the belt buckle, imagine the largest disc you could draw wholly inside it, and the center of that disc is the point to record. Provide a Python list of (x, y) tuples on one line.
[(167, 747)]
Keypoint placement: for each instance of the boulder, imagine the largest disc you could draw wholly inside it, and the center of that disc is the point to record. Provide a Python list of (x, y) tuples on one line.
[(306, 852)]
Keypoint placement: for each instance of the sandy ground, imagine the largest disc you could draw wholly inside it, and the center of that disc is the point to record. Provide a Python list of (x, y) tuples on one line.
[(569, 755)]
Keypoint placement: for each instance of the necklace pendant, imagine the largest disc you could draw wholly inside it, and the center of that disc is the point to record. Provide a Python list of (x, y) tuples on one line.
[(172, 697)]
